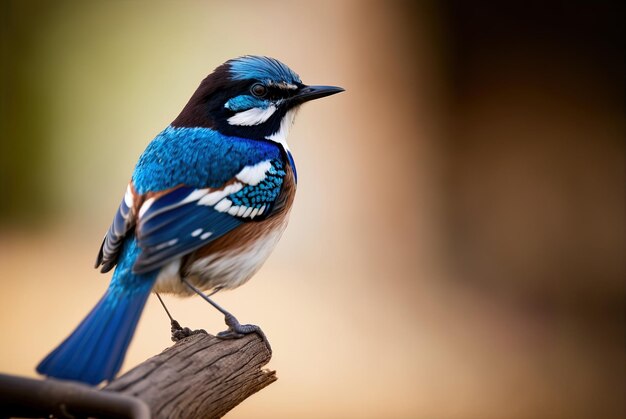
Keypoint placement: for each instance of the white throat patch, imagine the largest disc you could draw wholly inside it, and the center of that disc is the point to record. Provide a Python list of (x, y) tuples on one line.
[(254, 116), (281, 135)]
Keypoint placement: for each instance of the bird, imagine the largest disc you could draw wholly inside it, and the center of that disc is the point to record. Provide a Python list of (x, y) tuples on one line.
[(206, 204)]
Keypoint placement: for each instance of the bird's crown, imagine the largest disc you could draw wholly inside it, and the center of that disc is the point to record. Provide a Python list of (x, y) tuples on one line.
[(267, 69), (250, 97)]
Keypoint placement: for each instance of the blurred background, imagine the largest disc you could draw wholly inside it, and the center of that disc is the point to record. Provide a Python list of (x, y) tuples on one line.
[(456, 249)]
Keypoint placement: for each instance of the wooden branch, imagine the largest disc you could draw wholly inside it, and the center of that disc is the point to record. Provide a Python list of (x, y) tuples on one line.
[(30, 398), (200, 376)]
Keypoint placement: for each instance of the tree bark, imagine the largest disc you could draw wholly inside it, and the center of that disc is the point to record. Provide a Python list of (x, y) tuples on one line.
[(200, 376)]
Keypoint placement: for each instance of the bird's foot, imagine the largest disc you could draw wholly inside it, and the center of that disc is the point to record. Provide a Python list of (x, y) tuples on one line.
[(179, 332), (237, 330)]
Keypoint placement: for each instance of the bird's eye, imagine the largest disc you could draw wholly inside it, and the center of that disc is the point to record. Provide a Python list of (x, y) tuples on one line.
[(258, 90)]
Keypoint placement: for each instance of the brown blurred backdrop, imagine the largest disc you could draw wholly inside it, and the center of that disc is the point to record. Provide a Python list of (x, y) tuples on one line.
[(457, 245)]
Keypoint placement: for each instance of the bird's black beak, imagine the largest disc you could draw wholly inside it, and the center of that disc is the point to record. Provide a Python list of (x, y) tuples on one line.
[(307, 93)]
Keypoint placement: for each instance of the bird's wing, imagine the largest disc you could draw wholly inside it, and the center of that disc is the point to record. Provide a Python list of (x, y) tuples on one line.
[(123, 221), (178, 221)]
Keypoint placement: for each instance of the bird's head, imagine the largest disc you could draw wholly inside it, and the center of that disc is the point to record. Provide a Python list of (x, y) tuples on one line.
[(250, 97)]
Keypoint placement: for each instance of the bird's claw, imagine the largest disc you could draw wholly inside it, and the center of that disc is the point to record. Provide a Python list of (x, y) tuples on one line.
[(237, 330), (179, 332)]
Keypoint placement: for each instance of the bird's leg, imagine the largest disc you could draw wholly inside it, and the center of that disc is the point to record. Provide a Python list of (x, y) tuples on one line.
[(235, 330), (178, 332)]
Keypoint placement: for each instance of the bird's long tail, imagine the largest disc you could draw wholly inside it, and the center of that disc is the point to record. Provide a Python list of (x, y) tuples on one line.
[(95, 350)]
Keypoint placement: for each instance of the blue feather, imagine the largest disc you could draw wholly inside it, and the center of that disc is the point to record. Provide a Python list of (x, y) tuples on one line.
[(95, 350), (176, 224), (243, 102), (292, 163), (198, 157), (261, 68), (165, 232)]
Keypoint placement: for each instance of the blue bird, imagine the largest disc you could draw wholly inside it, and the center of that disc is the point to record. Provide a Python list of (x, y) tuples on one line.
[(207, 202)]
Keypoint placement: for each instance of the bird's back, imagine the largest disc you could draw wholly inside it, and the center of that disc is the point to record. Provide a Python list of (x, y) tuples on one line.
[(196, 157)]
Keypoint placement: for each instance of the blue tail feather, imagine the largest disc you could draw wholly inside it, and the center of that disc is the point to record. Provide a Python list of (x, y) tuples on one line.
[(96, 349), (94, 352)]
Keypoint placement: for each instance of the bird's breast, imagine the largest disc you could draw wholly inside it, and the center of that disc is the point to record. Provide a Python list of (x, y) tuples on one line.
[(235, 263)]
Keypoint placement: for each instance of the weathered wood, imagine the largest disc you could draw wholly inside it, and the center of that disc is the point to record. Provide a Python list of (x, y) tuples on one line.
[(199, 376)]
